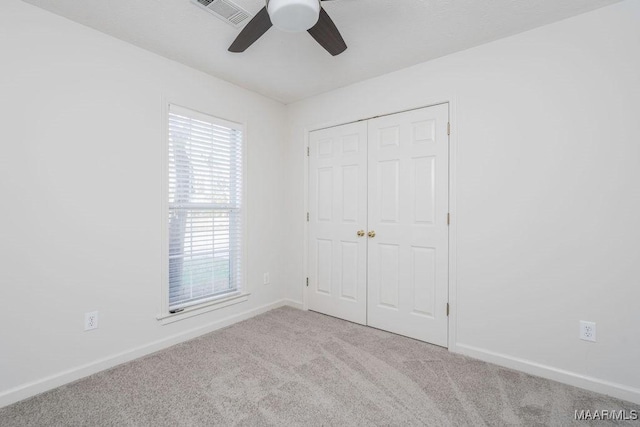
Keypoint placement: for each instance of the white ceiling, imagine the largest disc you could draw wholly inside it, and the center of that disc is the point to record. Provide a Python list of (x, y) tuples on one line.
[(381, 35)]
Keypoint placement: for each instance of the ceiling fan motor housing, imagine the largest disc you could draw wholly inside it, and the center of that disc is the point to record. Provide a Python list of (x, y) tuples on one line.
[(293, 15)]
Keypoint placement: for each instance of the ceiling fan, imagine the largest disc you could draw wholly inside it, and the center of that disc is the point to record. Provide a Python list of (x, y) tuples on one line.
[(292, 16)]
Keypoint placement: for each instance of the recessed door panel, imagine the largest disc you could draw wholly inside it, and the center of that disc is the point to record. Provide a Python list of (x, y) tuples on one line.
[(351, 143), (424, 190), (349, 276), (388, 176), (324, 202), (350, 187), (325, 266), (424, 131), (423, 280), (387, 267), (324, 148), (388, 137)]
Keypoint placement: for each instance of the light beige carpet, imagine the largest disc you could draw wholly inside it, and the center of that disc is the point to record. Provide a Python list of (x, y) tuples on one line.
[(290, 367)]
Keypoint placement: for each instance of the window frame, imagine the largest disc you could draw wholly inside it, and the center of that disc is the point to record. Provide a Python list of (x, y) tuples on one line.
[(212, 303)]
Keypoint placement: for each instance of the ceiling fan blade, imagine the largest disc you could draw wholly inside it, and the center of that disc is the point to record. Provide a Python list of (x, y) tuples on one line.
[(252, 31), (326, 33)]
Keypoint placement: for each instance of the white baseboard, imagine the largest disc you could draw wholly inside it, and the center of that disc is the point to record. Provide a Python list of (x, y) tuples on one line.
[(36, 387), (597, 385), (293, 303)]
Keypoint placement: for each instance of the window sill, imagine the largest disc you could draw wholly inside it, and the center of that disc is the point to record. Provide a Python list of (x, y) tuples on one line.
[(206, 307)]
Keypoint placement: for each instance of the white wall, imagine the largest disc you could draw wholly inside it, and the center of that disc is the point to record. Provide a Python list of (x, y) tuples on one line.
[(548, 192), (80, 186)]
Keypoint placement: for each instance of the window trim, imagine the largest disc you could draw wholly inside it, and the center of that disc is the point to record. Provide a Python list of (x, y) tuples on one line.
[(204, 307), (224, 300)]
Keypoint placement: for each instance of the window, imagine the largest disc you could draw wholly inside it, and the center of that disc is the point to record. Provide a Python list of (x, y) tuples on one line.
[(205, 208)]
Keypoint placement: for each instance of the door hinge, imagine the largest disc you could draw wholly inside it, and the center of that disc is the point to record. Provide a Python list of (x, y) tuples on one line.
[(448, 128), (307, 151), (307, 281), (448, 219), (307, 216), (447, 308)]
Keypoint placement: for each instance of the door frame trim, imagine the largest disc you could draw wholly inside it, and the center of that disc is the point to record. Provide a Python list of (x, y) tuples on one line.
[(453, 161)]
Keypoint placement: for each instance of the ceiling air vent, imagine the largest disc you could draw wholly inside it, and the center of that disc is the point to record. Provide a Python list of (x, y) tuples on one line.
[(225, 10)]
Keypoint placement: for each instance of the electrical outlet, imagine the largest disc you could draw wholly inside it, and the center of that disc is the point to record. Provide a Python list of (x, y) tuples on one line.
[(587, 331), (90, 320), (266, 279)]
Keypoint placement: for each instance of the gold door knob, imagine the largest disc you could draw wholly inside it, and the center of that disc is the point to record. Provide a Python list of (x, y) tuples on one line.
[(372, 233), (360, 233)]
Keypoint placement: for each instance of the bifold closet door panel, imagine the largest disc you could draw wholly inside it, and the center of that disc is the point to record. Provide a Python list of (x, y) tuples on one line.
[(408, 186), (337, 212)]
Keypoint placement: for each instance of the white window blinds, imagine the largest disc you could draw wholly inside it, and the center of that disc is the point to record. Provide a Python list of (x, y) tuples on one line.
[(205, 205)]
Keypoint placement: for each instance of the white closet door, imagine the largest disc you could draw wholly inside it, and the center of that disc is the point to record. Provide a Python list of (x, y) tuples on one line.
[(338, 210), (408, 206)]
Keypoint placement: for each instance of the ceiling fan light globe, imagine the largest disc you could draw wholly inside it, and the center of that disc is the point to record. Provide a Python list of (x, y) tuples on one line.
[(294, 15)]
